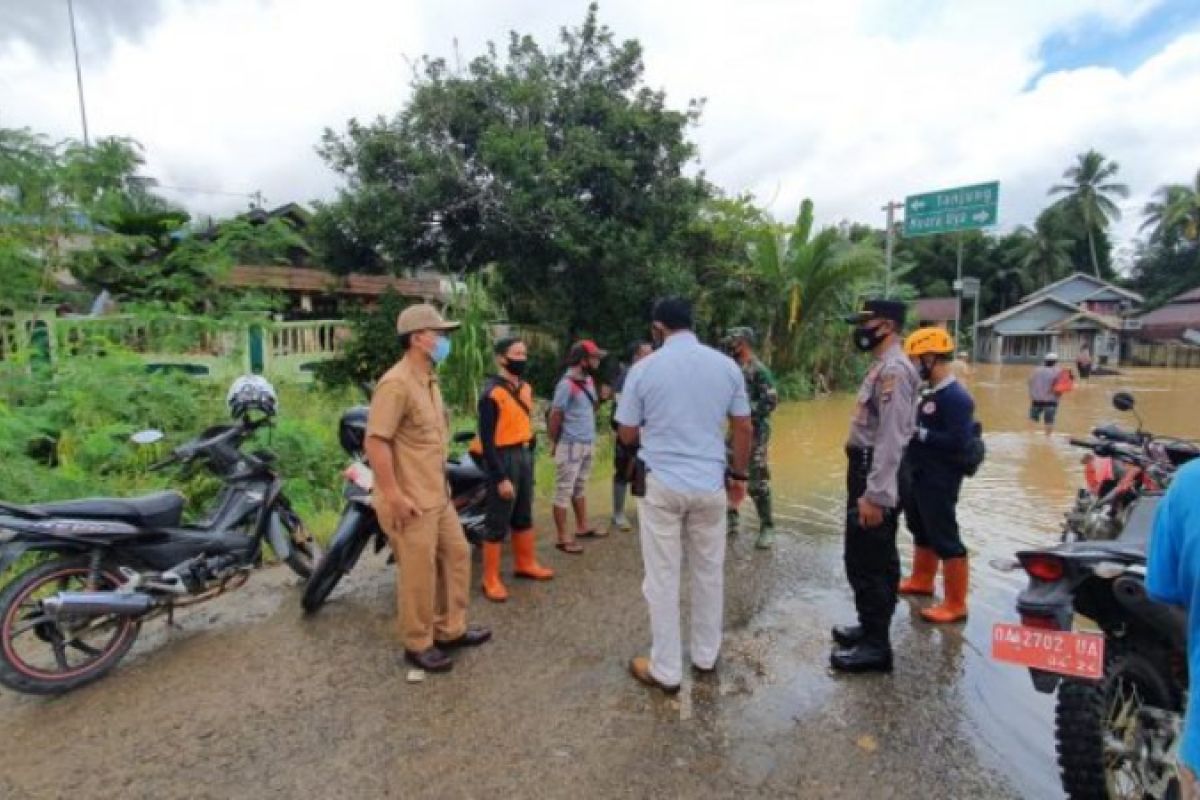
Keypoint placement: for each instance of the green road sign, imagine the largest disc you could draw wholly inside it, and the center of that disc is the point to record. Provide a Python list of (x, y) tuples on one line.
[(961, 209)]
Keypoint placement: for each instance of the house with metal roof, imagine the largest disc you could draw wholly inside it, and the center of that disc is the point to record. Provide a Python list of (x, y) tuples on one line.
[(1177, 321), (1064, 317)]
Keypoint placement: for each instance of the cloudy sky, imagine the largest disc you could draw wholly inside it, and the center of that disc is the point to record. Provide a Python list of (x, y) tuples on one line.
[(850, 102)]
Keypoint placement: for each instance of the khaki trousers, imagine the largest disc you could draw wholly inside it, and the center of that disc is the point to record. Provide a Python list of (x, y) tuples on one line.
[(433, 577)]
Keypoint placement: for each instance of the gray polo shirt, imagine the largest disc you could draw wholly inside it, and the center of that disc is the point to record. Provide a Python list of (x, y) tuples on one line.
[(680, 398), (577, 399), (1041, 385)]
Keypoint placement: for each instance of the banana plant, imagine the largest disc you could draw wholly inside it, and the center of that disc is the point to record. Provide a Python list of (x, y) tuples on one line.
[(813, 275)]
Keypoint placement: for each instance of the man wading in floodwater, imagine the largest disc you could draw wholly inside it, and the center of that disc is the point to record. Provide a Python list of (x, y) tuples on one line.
[(883, 423)]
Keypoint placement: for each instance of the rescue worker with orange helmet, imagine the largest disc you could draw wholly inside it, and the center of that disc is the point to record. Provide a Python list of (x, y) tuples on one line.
[(932, 476), (504, 449)]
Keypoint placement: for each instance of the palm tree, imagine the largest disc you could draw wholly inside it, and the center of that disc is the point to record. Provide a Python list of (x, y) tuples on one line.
[(810, 274), (1043, 256), (1175, 212), (1090, 192)]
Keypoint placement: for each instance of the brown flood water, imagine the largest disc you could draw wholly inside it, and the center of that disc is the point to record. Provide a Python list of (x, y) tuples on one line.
[(1016, 501)]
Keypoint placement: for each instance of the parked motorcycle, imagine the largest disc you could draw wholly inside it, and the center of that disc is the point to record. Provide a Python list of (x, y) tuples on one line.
[(1121, 692), (1119, 467), (359, 526), (115, 563)]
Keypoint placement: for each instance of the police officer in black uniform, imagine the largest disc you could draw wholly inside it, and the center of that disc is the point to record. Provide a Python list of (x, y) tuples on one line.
[(883, 423)]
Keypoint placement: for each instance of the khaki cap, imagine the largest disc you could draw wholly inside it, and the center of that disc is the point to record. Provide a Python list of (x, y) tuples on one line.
[(423, 317)]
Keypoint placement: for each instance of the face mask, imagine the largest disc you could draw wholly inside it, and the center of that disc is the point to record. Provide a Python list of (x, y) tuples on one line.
[(867, 339), (925, 371), (516, 367), (441, 350)]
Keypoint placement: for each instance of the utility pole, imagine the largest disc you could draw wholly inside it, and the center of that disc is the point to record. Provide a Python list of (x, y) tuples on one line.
[(958, 289), (891, 208), (78, 73)]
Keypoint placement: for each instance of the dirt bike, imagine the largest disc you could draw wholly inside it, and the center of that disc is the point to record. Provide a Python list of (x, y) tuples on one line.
[(1121, 693), (115, 563), (359, 526), (1119, 467)]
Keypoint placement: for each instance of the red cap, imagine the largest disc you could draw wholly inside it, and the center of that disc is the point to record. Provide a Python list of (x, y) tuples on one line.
[(589, 347)]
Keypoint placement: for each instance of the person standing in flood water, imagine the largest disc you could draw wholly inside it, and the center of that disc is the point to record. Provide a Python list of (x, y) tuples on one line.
[(883, 423), (933, 475), (1044, 394)]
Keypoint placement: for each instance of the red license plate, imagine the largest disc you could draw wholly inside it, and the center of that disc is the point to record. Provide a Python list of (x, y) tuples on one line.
[(1078, 655)]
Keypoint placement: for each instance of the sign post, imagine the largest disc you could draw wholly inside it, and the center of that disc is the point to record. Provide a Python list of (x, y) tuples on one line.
[(964, 208), (949, 210), (970, 290)]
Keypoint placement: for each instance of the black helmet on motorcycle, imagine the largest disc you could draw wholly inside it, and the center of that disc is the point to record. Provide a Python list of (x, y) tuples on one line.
[(251, 393), (352, 431)]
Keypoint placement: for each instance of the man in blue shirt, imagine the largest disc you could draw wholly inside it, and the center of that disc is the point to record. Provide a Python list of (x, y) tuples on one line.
[(1173, 577), (676, 403)]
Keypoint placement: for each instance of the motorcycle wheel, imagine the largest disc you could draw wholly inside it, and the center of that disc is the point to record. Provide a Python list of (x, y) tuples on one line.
[(1098, 727), (305, 550), (36, 657), (343, 553)]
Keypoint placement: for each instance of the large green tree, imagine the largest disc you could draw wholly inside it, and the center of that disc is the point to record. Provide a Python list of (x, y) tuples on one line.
[(1045, 256), (556, 164), (1090, 194), (1173, 216)]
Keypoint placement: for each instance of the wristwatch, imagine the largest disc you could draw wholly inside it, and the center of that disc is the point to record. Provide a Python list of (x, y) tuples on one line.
[(736, 476)]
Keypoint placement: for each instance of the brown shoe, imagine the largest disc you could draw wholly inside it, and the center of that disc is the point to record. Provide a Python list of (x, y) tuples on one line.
[(639, 668), (430, 660)]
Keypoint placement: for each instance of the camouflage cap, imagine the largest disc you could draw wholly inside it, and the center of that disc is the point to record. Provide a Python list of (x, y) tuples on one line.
[(743, 333)]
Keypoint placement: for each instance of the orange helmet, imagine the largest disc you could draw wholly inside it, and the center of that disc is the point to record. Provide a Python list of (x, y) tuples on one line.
[(928, 341)]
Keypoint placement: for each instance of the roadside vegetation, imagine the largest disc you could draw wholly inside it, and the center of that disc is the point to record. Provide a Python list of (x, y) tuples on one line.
[(553, 186)]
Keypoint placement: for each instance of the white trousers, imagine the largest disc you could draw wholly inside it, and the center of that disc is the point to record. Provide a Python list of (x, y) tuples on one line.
[(670, 521)]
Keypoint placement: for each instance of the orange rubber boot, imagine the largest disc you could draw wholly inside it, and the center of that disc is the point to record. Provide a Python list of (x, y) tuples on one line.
[(954, 607), (493, 587), (525, 563), (925, 567)]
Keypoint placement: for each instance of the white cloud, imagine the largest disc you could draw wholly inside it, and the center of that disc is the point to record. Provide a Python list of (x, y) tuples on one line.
[(851, 103)]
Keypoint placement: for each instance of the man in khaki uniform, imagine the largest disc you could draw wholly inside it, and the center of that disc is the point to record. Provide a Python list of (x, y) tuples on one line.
[(407, 445)]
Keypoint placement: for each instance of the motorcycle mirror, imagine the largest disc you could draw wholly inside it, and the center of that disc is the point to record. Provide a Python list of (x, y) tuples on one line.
[(147, 437), (1123, 401)]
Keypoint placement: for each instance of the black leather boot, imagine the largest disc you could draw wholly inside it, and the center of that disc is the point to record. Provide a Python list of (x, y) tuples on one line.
[(847, 635), (866, 656)]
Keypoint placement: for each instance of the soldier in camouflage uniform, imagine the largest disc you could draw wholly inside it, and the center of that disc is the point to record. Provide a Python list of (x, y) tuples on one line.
[(764, 399)]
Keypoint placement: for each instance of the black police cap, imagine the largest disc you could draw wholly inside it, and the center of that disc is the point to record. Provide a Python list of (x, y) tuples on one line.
[(894, 310)]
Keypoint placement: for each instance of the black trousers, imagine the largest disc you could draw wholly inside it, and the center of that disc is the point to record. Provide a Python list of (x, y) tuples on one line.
[(872, 561), (929, 492), (515, 514)]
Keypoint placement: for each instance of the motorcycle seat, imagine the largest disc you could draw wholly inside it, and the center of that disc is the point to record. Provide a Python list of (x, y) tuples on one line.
[(464, 476), (158, 510)]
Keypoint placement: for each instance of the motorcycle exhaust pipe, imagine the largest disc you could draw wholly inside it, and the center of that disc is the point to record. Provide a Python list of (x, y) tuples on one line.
[(123, 604), (1169, 621)]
